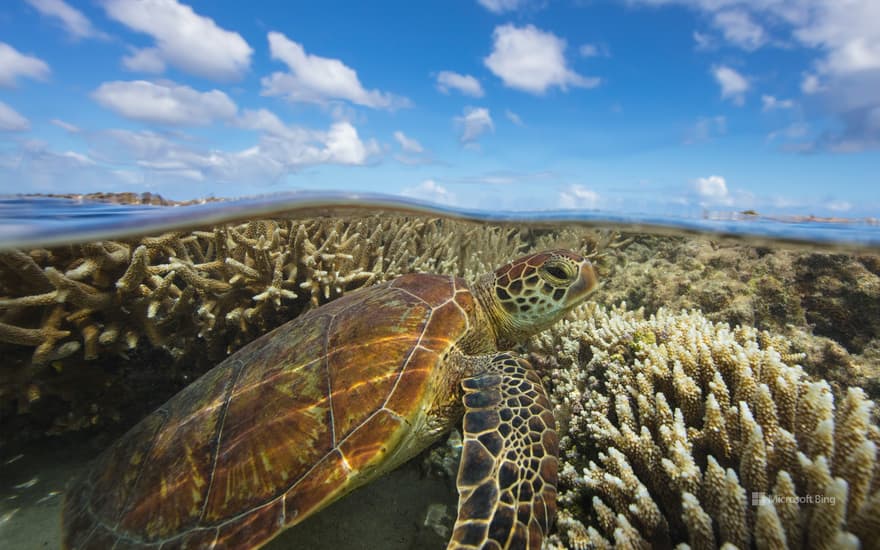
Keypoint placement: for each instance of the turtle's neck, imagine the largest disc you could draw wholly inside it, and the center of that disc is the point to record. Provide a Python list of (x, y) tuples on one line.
[(498, 322)]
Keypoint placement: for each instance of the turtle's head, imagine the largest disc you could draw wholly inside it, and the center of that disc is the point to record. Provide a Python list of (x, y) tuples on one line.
[(531, 293)]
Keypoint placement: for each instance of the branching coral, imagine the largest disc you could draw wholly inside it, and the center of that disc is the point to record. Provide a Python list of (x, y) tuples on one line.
[(200, 295), (827, 303), (678, 430)]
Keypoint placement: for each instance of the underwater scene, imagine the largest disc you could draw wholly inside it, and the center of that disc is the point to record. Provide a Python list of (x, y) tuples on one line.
[(707, 389), (462, 274)]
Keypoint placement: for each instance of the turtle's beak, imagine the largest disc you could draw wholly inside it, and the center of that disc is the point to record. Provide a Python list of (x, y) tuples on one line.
[(586, 283)]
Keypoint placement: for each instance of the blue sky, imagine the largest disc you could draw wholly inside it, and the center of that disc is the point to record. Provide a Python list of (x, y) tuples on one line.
[(658, 106)]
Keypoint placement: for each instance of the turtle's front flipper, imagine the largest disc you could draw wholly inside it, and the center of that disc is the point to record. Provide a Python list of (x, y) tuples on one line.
[(507, 475)]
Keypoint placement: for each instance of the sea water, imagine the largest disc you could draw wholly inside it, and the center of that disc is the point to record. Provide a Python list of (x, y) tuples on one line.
[(45, 221), (407, 509)]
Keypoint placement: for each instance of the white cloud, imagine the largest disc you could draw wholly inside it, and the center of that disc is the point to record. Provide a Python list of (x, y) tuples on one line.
[(316, 79), (845, 31), (500, 6), (594, 50), (280, 149), (184, 39), (703, 41), (73, 129), (490, 179), (770, 103), (46, 170), (408, 144), (845, 39), (11, 120), (712, 189), (344, 146), (78, 158), (119, 146), (73, 20), (810, 84), (588, 50), (464, 83), (578, 197), (846, 79), (532, 60), (145, 60), (293, 146), (739, 29), (164, 104), (430, 190), (513, 117), (705, 129), (848, 32), (264, 120), (733, 84), (414, 160), (796, 130), (839, 206), (509, 177), (14, 64), (474, 122)]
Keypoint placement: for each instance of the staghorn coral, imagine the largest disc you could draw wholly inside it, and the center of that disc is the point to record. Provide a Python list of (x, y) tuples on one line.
[(681, 431), (77, 322), (113, 293)]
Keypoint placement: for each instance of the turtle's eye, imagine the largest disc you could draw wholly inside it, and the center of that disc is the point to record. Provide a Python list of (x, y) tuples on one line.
[(557, 272)]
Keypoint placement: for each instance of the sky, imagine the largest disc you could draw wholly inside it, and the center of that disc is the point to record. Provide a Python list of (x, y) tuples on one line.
[(634, 106)]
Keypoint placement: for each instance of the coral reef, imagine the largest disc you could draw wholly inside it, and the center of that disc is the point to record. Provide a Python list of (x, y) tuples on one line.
[(108, 295), (677, 430), (82, 326), (840, 296), (671, 422), (826, 303)]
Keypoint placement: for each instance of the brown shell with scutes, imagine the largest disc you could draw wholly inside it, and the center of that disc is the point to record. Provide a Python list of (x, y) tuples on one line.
[(278, 430)]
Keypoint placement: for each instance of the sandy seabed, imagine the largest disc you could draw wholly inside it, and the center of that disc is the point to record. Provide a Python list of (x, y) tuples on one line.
[(389, 513)]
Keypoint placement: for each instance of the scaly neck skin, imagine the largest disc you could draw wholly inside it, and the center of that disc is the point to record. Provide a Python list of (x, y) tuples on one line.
[(498, 323)]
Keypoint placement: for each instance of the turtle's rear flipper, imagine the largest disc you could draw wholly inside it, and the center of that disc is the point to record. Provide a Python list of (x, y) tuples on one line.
[(507, 475)]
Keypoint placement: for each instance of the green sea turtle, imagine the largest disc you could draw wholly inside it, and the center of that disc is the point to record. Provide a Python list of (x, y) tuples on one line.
[(338, 396)]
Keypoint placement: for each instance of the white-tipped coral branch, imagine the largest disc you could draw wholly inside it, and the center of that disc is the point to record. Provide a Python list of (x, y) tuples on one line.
[(730, 444)]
